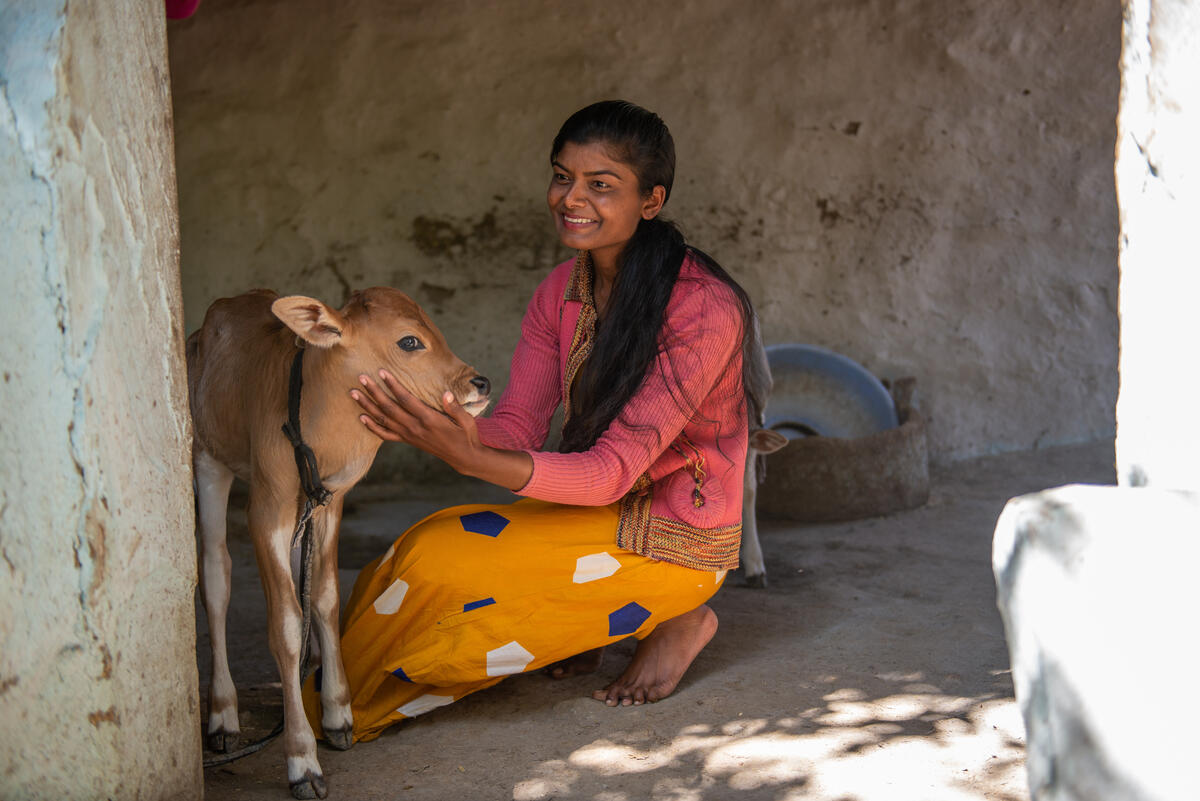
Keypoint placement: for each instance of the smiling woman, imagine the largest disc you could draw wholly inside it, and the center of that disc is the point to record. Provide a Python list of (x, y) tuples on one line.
[(598, 204), (631, 526)]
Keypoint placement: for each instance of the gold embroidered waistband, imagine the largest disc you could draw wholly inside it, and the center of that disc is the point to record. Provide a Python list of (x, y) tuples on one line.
[(674, 541)]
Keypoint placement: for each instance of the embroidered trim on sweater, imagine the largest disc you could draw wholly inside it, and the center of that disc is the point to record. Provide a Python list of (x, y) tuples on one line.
[(579, 288), (655, 536), (675, 541)]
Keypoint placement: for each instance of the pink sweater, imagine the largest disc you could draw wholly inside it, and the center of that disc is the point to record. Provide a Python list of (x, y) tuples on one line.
[(681, 491)]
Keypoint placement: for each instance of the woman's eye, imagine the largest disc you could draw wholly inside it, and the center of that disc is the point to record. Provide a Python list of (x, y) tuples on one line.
[(410, 343), (561, 178), (599, 185)]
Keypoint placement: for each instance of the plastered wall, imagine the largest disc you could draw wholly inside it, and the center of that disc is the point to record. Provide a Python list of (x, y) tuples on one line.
[(923, 185), (98, 687)]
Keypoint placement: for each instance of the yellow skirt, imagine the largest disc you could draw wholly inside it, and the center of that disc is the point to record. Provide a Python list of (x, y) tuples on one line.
[(472, 594)]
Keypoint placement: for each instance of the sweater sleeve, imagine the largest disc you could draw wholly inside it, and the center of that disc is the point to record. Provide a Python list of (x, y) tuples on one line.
[(521, 418), (702, 340)]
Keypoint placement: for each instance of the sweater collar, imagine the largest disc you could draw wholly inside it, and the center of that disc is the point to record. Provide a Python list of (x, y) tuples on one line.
[(579, 287)]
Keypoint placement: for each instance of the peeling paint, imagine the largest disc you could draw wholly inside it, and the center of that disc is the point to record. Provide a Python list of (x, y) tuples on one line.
[(106, 656), (31, 43), (437, 237), (106, 716), (436, 295), (829, 215)]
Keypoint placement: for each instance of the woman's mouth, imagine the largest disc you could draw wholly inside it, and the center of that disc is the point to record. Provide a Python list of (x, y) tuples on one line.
[(572, 221)]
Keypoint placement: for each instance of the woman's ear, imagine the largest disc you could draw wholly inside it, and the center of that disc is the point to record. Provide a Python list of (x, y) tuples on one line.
[(654, 202)]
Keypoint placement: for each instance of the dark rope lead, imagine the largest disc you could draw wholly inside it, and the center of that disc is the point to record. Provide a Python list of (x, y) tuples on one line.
[(306, 460)]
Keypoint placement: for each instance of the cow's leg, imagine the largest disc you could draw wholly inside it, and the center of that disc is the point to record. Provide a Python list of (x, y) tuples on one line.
[(213, 481), (753, 566), (271, 522), (336, 719)]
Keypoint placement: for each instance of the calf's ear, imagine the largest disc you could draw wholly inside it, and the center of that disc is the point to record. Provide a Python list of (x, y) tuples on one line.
[(764, 440), (312, 320)]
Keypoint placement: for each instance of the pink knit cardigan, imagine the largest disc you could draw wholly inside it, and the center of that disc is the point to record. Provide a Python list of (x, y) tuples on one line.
[(676, 468)]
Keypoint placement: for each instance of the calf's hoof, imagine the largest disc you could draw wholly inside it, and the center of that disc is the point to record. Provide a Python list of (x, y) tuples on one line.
[(223, 742), (341, 739), (756, 582), (311, 786)]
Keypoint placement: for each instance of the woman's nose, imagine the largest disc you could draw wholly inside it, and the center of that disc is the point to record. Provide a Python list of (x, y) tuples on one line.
[(574, 198)]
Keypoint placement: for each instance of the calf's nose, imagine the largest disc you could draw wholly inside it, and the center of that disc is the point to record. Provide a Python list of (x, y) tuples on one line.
[(482, 384)]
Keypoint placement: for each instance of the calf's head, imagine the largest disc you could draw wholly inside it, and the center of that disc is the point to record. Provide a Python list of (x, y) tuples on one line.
[(382, 328)]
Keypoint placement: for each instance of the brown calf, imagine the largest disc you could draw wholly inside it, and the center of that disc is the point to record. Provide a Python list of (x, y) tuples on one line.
[(238, 366)]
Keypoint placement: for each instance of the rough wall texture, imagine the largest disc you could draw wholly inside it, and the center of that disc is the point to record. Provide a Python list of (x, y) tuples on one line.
[(1158, 178), (923, 185), (98, 688)]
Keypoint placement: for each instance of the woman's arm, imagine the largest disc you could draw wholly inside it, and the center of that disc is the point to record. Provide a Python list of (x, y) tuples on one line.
[(521, 419)]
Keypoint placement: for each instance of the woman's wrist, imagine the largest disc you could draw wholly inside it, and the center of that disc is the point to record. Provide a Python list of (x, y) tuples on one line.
[(509, 469)]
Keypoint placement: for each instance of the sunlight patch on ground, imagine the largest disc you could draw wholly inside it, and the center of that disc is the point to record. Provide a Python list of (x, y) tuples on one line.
[(902, 747)]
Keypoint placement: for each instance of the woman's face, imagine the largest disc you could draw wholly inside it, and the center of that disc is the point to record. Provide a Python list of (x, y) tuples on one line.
[(596, 201)]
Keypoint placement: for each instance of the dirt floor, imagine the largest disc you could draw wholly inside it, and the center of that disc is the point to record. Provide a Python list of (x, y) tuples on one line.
[(872, 668)]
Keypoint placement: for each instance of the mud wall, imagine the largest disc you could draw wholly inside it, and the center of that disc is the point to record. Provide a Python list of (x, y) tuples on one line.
[(923, 185), (98, 687)]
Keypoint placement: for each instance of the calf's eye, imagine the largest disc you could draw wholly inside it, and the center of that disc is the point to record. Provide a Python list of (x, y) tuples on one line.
[(410, 343)]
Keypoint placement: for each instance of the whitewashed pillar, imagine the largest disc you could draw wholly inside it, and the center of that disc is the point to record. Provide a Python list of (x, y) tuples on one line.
[(98, 686), (1158, 190)]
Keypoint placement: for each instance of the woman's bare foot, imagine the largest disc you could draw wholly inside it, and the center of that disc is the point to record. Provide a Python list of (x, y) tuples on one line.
[(661, 659), (577, 665)]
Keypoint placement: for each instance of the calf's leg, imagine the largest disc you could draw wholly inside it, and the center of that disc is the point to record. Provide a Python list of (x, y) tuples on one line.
[(213, 481), (336, 719), (271, 523), (762, 442), (754, 569)]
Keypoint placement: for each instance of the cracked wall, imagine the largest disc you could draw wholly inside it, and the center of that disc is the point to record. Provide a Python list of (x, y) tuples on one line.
[(98, 687), (925, 186)]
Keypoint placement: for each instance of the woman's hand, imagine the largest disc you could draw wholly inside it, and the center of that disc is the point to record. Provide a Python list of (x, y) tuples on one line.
[(406, 419), (453, 437)]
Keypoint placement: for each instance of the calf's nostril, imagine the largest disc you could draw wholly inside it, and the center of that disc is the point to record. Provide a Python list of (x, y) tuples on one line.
[(482, 384)]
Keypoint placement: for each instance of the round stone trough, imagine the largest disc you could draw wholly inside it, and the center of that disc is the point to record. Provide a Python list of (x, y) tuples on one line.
[(856, 449)]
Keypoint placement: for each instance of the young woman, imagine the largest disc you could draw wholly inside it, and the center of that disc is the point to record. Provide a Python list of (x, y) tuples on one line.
[(631, 526)]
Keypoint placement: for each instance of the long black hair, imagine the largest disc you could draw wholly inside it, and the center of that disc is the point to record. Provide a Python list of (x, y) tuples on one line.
[(627, 341)]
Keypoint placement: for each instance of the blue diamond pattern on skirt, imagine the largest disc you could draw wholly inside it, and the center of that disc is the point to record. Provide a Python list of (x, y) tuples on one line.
[(479, 603), (627, 619), (489, 524), (400, 674)]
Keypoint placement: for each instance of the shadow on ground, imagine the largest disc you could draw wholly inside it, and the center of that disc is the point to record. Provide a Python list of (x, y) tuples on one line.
[(872, 668)]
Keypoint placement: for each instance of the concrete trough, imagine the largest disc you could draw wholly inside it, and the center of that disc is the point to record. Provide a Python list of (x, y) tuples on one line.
[(818, 478)]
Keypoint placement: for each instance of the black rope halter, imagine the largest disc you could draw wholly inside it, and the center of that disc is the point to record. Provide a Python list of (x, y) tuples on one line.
[(306, 462)]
